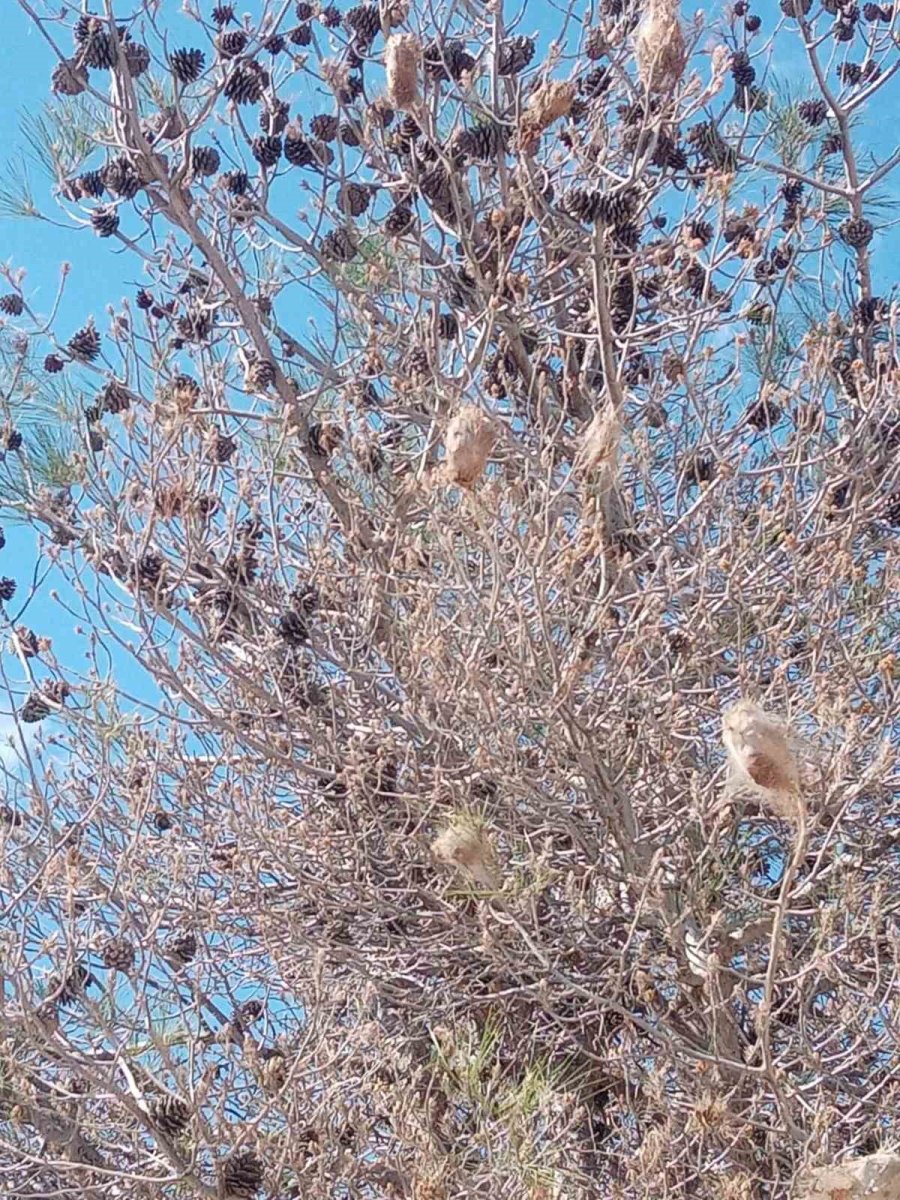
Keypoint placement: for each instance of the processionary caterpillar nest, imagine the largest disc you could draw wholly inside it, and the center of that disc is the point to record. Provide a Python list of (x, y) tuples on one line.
[(468, 442), (402, 58), (659, 47), (761, 758)]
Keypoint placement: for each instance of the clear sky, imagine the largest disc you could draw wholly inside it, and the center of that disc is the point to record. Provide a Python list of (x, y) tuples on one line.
[(98, 275), (40, 247)]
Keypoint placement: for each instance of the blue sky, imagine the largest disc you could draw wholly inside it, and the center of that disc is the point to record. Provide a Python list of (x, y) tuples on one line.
[(25, 65), (40, 248)]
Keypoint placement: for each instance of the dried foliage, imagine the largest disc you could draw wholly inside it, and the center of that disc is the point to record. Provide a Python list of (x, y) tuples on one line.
[(487, 426)]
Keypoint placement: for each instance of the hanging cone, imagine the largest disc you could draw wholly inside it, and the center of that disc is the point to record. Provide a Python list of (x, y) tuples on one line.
[(659, 47), (761, 758), (402, 57), (468, 442)]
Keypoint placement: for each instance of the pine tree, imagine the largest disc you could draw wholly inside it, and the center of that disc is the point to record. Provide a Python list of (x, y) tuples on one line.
[(462, 764)]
